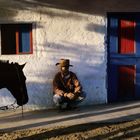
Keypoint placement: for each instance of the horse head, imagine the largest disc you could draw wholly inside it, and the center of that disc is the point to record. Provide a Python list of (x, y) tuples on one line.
[(17, 84)]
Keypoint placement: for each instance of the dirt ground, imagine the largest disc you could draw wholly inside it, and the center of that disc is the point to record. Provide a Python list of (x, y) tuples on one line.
[(88, 131)]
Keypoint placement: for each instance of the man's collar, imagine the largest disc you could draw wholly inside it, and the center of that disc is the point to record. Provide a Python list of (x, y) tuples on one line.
[(66, 77)]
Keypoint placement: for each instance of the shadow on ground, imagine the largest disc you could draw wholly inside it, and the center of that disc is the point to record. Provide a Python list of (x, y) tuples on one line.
[(116, 121), (99, 130)]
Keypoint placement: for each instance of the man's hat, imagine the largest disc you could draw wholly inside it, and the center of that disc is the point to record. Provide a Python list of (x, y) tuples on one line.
[(64, 63)]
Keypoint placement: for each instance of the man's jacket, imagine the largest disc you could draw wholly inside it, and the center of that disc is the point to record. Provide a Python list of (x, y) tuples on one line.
[(66, 84)]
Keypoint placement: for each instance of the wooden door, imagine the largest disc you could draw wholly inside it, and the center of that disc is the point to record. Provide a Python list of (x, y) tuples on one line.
[(123, 57)]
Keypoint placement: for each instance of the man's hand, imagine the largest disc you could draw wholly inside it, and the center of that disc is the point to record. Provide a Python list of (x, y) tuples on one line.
[(71, 96), (60, 94)]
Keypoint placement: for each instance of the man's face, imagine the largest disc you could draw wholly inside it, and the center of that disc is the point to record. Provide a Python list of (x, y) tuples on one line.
[(65, 70)]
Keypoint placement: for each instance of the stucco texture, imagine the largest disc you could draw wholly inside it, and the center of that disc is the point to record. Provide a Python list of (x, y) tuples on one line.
[(76, 30)]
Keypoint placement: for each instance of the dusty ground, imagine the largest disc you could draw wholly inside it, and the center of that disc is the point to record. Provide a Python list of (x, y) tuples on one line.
[(89, 131), (111, 121)]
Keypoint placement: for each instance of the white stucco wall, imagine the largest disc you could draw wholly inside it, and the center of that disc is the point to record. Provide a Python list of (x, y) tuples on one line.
[(60, 33)]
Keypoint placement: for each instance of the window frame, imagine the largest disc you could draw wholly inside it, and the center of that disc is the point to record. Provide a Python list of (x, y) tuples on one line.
[(17, 47)]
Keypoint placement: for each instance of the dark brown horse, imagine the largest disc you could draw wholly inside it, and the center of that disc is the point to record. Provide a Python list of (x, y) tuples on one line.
[(13, 78)]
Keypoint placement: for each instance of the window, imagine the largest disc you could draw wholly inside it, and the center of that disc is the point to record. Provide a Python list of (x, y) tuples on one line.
[(16, 39)]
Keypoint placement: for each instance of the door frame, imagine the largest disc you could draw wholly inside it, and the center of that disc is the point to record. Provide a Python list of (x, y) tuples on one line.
[(118, 16)]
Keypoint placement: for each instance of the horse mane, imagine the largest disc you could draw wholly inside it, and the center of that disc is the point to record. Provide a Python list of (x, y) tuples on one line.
[(6, 63)]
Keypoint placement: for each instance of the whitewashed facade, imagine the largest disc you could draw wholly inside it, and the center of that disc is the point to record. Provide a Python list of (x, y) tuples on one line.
[(76, 30)]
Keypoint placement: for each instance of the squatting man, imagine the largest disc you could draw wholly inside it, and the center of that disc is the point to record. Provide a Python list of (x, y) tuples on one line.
[(67, 89)]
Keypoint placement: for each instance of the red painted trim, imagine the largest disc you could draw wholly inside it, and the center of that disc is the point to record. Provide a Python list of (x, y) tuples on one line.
[(17, 40)]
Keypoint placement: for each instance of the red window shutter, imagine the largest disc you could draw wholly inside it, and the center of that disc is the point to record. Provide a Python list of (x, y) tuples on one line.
[(127, 34)]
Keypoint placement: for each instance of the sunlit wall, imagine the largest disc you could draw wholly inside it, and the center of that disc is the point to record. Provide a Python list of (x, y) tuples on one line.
[(76, 30)]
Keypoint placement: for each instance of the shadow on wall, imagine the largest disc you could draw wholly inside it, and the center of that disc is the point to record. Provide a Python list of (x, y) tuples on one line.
[(6, 98), (40, 95), (96, 7), (87, 61), (81, 56), (91, 27)]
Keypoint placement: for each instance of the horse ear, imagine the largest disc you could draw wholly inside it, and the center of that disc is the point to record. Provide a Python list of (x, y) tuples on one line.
[(22, 66)]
